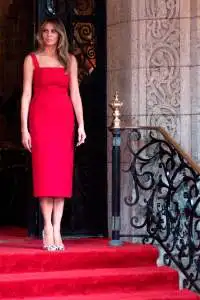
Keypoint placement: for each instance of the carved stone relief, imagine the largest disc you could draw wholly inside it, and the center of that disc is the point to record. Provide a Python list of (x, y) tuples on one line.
[(168, 72), (166, 9), (162, 63)]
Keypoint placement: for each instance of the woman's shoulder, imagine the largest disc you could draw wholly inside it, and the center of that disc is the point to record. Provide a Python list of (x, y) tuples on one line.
[(35, 53), (32, 53), (71, 56), (30, 56), (31, 59), (72, 60)]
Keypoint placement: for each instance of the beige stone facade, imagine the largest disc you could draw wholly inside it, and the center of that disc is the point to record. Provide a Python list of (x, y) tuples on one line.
[(153, 49)]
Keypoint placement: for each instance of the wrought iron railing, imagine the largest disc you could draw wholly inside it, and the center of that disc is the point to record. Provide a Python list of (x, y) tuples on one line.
[(163, 196)]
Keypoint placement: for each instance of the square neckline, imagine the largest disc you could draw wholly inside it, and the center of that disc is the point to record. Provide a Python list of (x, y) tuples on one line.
[(62, 68), (37, 65)]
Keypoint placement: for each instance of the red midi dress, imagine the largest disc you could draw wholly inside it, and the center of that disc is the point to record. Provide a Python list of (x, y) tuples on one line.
[(51, 125)]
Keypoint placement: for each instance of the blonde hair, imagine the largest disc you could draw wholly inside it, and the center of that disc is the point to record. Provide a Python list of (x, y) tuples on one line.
[(63, 44)]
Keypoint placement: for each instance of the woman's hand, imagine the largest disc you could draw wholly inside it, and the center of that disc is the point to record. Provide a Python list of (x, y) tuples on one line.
[(81, 135), (26, 140)]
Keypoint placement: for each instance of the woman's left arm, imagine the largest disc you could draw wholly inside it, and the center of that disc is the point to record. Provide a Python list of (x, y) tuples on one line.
[(76, 99)]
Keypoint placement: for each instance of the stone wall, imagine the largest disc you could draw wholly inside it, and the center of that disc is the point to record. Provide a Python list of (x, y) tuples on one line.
[(153, 49)]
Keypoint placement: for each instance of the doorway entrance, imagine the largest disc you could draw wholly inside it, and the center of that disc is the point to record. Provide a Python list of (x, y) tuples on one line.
[(86, 213)]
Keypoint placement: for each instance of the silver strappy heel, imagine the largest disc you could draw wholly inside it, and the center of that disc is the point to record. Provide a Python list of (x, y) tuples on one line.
[(48, 247), (60, 248)]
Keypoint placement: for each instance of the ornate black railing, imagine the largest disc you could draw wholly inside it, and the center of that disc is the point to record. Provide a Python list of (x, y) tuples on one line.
[(163, 196)]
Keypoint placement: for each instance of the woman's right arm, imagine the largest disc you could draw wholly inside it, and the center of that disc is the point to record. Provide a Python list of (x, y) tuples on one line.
[(25, 101)]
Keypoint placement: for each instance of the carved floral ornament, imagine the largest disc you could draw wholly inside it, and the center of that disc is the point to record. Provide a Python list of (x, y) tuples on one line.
[(162, 61), (162, 8)]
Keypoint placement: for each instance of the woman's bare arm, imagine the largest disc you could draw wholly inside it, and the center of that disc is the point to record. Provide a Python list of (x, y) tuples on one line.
[(25, 101), (27, 92), (74, 91)]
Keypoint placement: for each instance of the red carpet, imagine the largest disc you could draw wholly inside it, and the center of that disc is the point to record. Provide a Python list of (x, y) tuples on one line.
[(87, 270)]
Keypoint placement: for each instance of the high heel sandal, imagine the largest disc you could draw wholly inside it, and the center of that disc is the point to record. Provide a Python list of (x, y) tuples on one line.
[(50, 247), (59, 247)]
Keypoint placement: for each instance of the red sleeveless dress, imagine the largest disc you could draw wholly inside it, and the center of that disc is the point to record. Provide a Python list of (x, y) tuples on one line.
[(51, 125)]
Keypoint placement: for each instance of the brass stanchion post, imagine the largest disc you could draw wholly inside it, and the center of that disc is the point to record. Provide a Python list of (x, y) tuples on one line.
[(116, 141)]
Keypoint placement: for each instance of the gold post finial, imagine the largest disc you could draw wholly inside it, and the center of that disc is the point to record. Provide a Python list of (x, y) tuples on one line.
[(116, 104)]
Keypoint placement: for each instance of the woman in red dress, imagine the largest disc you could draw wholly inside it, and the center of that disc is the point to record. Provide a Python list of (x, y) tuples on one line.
[(47, 124)]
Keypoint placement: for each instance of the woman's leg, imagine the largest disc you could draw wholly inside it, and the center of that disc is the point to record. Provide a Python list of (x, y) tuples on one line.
[(58, 207), (46, 205)]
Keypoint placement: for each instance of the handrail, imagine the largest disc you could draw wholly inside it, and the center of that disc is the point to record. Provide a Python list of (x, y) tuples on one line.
[(116, 104), (164, 196), (171, 141)]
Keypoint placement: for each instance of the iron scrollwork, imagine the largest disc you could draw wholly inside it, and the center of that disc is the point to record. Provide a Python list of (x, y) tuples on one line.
[(79, 19), (165, 198), (50, 8), (84, 7)]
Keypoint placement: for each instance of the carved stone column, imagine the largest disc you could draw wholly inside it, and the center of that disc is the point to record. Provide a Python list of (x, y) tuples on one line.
[(153, 61)]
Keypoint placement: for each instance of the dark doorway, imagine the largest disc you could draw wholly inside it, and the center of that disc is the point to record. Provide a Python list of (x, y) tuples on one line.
[(17, 39), (86, 212)]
